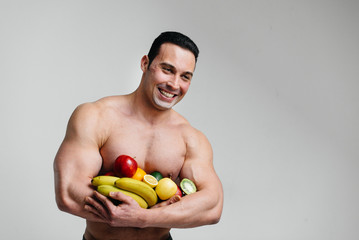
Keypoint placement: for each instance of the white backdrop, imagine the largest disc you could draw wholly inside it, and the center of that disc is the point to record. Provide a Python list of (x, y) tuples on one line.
[(275, 90)]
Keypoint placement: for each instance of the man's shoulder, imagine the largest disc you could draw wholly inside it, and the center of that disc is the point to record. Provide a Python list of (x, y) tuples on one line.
[(110, 102), (189, 132), (100, 106), (96, 113), (181, 122), (95, 118), (195, 139)]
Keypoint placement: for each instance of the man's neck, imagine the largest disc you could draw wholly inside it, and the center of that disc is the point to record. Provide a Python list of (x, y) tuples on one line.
[(145, 111)]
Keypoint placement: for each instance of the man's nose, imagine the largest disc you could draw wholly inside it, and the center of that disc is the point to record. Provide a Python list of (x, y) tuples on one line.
[(174, 82)]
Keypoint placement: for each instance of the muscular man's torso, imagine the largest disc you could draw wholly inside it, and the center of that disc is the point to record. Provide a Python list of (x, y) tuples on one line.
[(156, 147)]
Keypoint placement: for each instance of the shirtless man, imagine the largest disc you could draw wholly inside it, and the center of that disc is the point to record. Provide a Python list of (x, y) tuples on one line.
[(141, 124)]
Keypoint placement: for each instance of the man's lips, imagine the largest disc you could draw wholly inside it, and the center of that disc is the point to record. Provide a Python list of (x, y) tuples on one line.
[(167, 94)]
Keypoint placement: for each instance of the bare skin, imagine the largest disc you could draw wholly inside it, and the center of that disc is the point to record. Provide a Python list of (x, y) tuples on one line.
[(144, 125)]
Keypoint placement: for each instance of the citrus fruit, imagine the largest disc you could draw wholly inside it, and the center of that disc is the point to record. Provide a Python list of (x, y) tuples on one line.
[(157, 175), (139, 174), (188, 186), (150, 180), (166, 188)]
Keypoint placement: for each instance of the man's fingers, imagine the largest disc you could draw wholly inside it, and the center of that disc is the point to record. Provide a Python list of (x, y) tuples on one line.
[(121, 197), (108, 204), (96, 207), (94, 211), (174, 199), (170, 201)]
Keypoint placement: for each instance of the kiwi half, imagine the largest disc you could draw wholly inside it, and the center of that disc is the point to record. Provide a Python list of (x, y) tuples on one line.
[(187, 186)]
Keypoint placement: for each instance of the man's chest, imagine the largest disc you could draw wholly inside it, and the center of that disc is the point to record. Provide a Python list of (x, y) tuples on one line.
[(160, 150)]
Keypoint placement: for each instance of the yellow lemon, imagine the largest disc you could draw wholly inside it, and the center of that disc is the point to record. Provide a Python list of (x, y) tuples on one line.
[(150, 180), (166, 188)]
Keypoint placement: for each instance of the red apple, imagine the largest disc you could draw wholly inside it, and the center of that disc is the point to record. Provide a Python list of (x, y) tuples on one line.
[(125, 166), (110, 173), (179, 191)]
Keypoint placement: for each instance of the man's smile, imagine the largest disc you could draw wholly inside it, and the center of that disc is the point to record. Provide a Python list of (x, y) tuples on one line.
[(167, 94)]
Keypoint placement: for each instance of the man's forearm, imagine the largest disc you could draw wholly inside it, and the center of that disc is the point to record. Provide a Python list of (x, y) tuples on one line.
[(71, 199), (193, 210)]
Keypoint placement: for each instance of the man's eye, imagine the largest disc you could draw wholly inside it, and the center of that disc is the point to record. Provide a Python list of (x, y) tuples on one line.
[(167, 69), (186, 77)]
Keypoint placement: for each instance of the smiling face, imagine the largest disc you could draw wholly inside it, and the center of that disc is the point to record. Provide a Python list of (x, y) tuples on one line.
[(168, 77)]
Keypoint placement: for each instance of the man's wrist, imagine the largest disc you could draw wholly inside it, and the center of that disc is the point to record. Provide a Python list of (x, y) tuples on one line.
[(144, 218)]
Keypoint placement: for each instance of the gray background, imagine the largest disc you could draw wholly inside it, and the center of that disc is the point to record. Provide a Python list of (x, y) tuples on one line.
[(275, 90)]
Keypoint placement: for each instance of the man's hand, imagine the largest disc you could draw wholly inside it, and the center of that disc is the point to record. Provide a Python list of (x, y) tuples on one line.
[(127, 214), (170, 201)]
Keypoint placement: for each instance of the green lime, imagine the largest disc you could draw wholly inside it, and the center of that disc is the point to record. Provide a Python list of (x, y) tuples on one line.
[(188, 186), (157, 175)]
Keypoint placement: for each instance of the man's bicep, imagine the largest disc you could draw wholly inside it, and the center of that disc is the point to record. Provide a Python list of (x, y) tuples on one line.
[(198, 165), (199, 168), (77, 159), (74, 166), (76, 162), (79, 152)]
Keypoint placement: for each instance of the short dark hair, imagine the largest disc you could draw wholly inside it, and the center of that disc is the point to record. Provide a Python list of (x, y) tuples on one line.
[(175, 38)]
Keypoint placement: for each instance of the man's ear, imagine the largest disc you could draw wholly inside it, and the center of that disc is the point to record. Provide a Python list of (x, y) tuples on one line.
[(144, 63)]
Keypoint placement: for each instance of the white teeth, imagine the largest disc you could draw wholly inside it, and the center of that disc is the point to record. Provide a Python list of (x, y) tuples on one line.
[(167, 94)]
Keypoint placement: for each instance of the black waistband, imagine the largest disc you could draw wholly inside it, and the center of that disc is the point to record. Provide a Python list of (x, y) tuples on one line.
[(169, 237)]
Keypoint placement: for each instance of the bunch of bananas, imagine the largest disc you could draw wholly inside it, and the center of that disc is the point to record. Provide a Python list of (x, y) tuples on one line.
[(141, 192)]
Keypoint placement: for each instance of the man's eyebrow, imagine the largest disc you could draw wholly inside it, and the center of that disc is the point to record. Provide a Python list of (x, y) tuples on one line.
[(173, 67), (167, 65), (189, 73)]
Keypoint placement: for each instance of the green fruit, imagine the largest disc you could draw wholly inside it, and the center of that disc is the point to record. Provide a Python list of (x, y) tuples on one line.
[(157, 175), (188, 186)]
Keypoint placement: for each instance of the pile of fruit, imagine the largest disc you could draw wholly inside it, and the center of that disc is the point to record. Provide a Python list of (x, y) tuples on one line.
[(144, 188)]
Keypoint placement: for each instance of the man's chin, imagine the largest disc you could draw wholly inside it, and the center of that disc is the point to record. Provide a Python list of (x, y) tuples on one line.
[(161, 105)]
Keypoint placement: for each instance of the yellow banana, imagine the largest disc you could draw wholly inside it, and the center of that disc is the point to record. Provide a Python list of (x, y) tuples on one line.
[(106, 189), (138, 187), (104, 180)]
